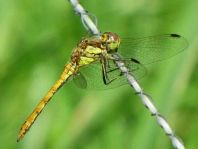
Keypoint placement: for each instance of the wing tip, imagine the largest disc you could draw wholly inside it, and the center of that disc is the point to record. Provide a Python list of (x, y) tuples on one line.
[(175, 35)]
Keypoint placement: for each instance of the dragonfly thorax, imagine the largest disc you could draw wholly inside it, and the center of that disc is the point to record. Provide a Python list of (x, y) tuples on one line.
[(111, 41)]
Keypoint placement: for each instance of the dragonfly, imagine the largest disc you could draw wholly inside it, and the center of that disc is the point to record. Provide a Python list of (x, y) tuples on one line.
[(92, 63)]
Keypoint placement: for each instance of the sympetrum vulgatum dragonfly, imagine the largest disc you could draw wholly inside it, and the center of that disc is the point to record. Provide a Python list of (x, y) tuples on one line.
[(96, 52)]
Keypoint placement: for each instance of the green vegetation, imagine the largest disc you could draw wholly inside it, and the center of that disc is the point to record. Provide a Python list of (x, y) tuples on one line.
[(36, 39)]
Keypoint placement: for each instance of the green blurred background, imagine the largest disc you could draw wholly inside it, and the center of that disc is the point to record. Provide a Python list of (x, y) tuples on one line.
[(36, 40)]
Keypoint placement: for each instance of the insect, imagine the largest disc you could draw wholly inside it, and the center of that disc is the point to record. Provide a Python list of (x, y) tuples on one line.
[(96, 52)]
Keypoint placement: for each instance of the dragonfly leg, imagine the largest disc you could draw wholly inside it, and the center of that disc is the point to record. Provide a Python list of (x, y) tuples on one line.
[(105, 72), (109, 67), (108, 71), (117, 68)]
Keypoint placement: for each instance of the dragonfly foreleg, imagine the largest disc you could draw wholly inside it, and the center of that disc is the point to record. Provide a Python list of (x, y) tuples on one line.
[(105, 77)]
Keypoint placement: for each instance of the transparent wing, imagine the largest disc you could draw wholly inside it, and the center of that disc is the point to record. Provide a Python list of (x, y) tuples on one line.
[(151, 49), (135, 53), (80, 80), (90, 76), (135, 68)]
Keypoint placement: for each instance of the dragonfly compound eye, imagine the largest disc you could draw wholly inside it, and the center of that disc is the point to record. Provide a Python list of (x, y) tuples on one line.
[(113, 41), (104, 37)]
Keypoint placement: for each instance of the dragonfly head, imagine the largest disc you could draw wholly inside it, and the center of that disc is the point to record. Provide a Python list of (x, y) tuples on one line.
[(111, 41)]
